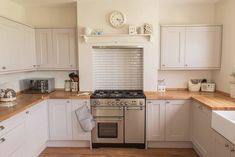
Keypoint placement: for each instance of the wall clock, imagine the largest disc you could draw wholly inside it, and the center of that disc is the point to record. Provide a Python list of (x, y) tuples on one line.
[(117, 19)]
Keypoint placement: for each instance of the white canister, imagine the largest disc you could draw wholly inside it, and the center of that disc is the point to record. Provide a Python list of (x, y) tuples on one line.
[(140, 30), (87, 31)]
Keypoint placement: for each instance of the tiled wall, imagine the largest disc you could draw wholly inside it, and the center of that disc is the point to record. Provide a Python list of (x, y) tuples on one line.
[(118, 68)]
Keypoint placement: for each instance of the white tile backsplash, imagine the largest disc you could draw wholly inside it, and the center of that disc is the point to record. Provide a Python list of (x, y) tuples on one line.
[(118, 68)]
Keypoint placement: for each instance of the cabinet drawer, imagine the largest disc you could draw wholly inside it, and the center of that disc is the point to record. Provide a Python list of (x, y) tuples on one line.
[(9, 124), (11, 141)]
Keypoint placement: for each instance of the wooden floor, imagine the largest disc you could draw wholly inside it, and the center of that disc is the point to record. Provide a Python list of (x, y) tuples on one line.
[(117, 152)]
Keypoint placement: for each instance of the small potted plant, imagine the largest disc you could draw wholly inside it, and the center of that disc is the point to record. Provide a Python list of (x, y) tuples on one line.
[(232, 84)]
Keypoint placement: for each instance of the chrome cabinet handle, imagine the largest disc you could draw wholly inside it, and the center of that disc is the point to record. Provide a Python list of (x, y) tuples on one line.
[(2, 140), (2, 128), (167, 102), (226, 145)]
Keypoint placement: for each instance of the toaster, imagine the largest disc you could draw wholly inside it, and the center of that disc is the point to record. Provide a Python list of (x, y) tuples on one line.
[(208, 87), (39, 85)]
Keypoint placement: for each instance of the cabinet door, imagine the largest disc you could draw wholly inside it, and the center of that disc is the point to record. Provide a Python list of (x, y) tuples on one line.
[(232, 150), (64, 48), (202, 134), (18, 153), (11, 45), (203, 47), (45, 56), (78, 133), (155, 120), (221, 148), (172, 47), (37, 129), (28, 57), (177, 120), (60, 119)]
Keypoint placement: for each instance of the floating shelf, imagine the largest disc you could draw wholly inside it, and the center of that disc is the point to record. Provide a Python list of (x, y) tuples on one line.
[(117, 37)]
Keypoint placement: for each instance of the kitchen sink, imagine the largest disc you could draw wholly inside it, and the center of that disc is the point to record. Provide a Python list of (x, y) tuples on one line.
[(224, 123)]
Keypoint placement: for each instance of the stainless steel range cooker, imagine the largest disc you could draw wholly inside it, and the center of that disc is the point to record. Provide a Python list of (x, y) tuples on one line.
[(119, 117)]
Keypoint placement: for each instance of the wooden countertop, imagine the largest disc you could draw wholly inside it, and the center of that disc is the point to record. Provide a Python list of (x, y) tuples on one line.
[(213, 101), (25, 101)]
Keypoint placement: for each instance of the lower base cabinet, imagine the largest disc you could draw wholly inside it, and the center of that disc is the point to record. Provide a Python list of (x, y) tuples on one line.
[(63, 122), (168, 120), (222, 147), (36, 129), (202, 133)]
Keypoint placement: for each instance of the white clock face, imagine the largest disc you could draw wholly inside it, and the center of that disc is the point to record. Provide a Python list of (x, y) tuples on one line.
[(117, 19)]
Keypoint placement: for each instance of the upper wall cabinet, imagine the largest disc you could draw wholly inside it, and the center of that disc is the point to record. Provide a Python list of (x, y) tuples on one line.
[(191, 47), (56, 49), (17, 47)]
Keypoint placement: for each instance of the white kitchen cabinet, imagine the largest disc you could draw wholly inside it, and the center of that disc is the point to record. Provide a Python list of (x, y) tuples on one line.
[(64, 48), (44, 49), (36, 129), (56, 49), (191, 47), (12, 141), (155, 120), (60, 119), (177, 120), (203, 47), (222, 146), (78, 133), (202, 133), (172, 47), (17, 49), (28, 57)]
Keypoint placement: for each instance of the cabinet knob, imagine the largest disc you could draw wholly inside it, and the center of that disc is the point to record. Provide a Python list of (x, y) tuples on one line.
[(149, 102), (167, 102), (226, 145), (4, 68), (186, 65), (163, 65), (71, 65), (27, 112), (2, 128), (2, 140), (232, 150), (34, 66)]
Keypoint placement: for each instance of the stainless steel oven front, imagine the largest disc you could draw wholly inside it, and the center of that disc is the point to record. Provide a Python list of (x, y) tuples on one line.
[(109, 124)]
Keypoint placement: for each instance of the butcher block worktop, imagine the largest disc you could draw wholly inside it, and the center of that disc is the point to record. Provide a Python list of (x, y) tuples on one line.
[(214, 101), (25, 101)]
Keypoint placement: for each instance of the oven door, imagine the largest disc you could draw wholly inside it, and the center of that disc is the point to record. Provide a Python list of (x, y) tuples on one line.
[(109, 129)]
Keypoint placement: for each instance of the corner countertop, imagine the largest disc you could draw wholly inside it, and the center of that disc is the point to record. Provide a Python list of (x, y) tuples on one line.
[(213, 101)]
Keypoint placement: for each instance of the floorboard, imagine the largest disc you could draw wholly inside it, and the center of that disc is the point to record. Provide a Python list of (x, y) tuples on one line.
[(117, 152)]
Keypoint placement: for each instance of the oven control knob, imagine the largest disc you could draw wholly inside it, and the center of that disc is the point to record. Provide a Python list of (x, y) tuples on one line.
[(141, 103)]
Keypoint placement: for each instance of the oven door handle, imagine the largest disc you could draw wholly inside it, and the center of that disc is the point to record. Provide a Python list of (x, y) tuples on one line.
[(135, 108), (106, 108), (108, 118)]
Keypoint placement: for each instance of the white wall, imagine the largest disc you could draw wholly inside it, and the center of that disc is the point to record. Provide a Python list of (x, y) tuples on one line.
[(225, 11), (52, 17), (13, 80), (12, 10), (95, 13), (174, 12)]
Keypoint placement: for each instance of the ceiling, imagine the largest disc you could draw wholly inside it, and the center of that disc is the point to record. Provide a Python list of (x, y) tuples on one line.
[(190, 1), (49, 3), (40, 3)]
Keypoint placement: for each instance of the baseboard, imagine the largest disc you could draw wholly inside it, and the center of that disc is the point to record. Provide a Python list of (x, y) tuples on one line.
[(68, 144), (163, 144), (197, 151), (40, 150)]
